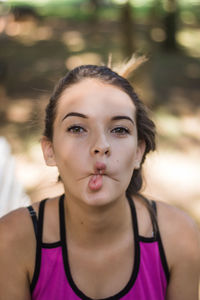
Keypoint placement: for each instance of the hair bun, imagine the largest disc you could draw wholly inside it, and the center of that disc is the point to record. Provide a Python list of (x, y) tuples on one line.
[(126, 68)]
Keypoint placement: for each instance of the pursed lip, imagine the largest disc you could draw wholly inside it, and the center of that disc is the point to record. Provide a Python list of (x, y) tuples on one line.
[(100, 168), (102, 174)]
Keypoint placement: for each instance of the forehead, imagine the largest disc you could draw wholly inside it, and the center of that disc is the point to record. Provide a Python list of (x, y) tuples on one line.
[(93, 95)]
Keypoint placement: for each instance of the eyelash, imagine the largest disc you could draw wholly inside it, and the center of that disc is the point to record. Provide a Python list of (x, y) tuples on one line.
[(76, 129), (121, 130)]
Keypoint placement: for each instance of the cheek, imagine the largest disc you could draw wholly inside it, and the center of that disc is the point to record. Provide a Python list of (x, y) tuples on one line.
[(69, 155), (125, 156)]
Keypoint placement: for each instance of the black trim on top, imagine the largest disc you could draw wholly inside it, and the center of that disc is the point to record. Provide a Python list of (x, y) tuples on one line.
[(39, 245), (51, 245), (147, 239), (135, 270), (161, 248), (33, 218)]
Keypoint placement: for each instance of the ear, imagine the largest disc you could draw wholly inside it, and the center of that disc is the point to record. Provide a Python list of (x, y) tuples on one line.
[(48, 152), (139, 154)]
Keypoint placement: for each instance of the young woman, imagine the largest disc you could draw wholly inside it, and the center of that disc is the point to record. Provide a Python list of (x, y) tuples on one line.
[(101, 239)]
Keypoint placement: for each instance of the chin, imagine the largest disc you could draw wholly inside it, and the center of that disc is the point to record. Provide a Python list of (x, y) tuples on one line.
[(100, 198)]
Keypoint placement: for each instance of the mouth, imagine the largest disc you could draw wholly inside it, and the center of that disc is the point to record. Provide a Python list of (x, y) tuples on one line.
[(95, 182), (100, 174), (100, 170), (103, 174)]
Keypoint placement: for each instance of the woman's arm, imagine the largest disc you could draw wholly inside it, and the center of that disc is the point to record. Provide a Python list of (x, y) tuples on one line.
[(181, 240), (14, 256)]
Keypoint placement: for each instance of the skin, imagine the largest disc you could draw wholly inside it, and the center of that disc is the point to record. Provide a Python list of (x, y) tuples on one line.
[(82, 143), (100, 235)]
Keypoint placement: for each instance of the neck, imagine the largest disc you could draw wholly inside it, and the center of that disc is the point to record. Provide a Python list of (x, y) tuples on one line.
[(96, 226)]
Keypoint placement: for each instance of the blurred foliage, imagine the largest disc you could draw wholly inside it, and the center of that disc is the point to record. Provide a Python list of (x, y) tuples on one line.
[(106, 8)]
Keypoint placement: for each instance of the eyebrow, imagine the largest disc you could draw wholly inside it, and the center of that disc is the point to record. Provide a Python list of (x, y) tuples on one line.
[(76, 114), (122, 118)]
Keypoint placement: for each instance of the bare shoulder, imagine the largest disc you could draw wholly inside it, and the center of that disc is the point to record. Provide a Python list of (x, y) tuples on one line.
[(15, 229), (17, 252), (180, 234)]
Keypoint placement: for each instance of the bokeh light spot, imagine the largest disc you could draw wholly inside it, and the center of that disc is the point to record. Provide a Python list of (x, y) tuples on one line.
[(158, 34), (86, 58)]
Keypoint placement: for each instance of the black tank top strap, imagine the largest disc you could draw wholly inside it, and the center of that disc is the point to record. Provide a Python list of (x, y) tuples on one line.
[(134, 216), (34, 218), (154, 220), (62, 220), (153, 203), (37, 222), (151, 206), (41, 220)]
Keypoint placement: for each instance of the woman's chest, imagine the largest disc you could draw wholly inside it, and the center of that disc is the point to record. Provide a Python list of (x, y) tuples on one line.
[(100, 273)]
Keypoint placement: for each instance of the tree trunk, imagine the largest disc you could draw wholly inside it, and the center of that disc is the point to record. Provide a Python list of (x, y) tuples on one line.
[(170, 25), (126, 23), (94, 6)]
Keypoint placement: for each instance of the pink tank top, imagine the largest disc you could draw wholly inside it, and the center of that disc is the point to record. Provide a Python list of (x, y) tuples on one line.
[(52, 278)]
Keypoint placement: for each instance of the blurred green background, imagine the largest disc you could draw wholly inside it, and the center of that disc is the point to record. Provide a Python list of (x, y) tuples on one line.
[(40, 40)]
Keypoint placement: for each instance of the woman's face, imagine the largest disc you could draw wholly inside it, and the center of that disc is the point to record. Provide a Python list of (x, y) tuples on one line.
[(95, 144)]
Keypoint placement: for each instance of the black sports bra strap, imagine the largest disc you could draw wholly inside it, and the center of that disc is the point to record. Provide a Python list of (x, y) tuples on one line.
[(34, 218), (154, 207), (38, 223), (154, 219), (41, 220), (134, 216), (62, 219)]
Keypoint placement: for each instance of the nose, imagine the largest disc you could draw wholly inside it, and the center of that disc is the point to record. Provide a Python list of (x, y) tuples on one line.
[(101, 147), (102, 150)]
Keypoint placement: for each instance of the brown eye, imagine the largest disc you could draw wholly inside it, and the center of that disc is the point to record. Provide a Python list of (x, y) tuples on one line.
[(120, 130), (76, 129)]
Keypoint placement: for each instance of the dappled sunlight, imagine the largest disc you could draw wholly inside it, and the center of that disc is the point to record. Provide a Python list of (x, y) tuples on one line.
[(27, 31), (168, 125), (191, 125), (174, 126), (172, 173), (2, 24), (38, 179), (85, 58), (158, 34), (44, 33), (13, 28), (73, 40), (188, 17), (19, 112), (190, 39), (180, 131), (173, 177), (169, 6)]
